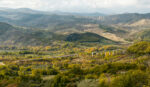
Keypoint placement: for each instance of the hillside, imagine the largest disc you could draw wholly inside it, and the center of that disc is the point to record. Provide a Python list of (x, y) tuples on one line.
[(142, 22), (11, 35), (16, 35), (117, 27), (124, 18), (88, 37), (32, 18), (56, 23), (144, 35), (38, 19)]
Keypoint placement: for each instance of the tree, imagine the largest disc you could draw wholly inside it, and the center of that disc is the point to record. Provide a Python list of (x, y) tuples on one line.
[(131, 79), (139, 48)]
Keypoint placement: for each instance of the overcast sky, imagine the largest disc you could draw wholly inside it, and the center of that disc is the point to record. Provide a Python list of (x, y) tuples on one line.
[(103, 6)]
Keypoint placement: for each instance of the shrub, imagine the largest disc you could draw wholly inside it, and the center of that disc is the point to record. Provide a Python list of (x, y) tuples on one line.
[(139, 48), (131, 79)]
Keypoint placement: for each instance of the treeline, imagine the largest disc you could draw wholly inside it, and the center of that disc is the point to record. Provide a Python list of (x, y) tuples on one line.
[(140, 48)]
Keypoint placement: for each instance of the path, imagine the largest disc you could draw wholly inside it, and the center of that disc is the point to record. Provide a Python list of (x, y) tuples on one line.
[(1, 63)]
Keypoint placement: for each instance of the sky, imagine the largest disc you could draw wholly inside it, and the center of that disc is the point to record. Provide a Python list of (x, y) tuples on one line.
[(103, 6)]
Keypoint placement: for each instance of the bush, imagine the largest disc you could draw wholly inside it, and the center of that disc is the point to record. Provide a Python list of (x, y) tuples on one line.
[(26, 52), (131, 79), (112, 68), (139, 48), (60, 81)]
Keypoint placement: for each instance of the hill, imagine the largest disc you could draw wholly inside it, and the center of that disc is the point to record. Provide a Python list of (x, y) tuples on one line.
[(17, 35), (10, 35), (33, 18), (87, 37), (144, 35), (40, 19), (124, 18), (115, 27)]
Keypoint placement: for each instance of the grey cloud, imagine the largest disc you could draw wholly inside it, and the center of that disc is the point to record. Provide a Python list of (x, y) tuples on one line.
[(80, 5)]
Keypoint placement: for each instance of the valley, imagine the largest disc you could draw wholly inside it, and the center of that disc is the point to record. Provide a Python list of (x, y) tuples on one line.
[(60, 49)]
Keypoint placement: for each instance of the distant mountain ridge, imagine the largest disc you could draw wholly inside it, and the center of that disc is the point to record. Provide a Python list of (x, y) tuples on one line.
[(119, 27), (31, 11), (124, 18), (23, 15), (32, 18)]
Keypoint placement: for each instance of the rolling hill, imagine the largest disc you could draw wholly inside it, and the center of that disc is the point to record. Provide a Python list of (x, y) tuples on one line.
[(50, 25), (124, 18), (10, 35), (38, 19), (87, 37), (143, 35)]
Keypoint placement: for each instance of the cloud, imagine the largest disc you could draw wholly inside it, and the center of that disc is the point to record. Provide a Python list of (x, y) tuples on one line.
[(79, 5)]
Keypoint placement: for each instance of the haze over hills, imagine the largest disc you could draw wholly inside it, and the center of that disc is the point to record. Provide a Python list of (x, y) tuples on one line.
[(25, 13), (31, 18), (124, 18), (49, 25)]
